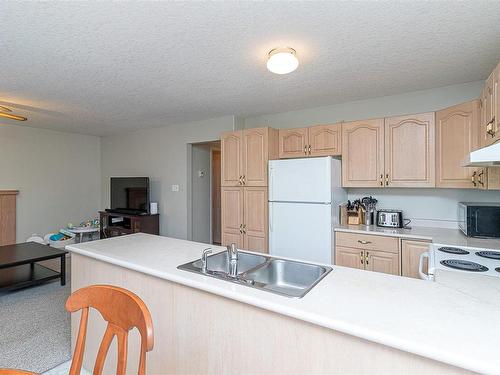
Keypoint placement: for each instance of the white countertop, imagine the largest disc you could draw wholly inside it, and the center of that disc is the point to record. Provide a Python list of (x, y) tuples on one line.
[(446, 320), (445, 236)]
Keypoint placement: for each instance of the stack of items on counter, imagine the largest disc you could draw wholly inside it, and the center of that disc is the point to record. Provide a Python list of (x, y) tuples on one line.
[(360, 211)]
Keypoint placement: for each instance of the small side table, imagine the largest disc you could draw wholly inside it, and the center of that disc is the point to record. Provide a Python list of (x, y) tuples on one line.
[(81, 231)]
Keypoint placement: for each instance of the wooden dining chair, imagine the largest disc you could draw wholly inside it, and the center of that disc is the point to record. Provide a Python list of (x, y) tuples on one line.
[(123, 310)]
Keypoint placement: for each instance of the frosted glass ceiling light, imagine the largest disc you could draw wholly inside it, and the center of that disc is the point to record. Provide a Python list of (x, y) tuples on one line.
[(282, 60)]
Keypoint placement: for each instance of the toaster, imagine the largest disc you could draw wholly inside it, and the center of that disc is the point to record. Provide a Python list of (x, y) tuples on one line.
[(390, 218)]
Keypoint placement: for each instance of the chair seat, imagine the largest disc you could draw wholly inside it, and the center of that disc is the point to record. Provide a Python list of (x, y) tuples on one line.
[(63, 369)]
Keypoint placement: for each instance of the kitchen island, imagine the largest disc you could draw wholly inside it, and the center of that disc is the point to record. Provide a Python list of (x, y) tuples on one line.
[(353, 321)]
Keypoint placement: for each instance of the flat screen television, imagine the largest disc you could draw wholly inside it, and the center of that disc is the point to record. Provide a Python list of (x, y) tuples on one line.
[(130, 195)]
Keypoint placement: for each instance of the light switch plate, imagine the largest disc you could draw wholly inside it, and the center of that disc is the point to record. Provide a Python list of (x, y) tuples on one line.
[(175, 187)]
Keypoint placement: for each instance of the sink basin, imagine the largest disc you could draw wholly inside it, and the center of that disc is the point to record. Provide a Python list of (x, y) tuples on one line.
[(280, 276), (287, 277), (219, 263)]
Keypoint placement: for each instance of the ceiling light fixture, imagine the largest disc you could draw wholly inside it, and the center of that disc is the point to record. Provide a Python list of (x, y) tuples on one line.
[(4, 112), (282, 60)]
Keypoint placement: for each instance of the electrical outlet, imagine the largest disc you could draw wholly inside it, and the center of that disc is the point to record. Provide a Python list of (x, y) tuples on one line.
[(175, 187)]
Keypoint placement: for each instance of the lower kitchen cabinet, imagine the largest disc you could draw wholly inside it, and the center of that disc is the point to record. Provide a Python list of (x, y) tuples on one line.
[(244, 218), (255, 224), (349, 257), (232, 216), (368, 252), (410, 255), (382, 261)]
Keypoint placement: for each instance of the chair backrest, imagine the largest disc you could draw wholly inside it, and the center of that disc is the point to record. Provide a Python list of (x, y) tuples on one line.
[(123, 310)]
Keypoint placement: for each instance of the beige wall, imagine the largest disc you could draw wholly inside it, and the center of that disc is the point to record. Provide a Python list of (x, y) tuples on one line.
[(412, 102), (162, 155), (57, 175)]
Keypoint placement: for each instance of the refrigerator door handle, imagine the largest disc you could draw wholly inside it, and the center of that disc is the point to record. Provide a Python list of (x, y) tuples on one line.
[(270, 217), (271, 183)]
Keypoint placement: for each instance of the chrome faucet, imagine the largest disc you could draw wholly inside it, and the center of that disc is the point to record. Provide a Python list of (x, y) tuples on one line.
[(232, 255), (204, 259), (232, 252)]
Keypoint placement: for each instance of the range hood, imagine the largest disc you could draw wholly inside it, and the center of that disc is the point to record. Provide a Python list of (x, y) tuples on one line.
[(484, 157)]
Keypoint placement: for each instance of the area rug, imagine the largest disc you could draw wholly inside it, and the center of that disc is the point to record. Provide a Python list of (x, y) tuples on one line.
[(35, 327)]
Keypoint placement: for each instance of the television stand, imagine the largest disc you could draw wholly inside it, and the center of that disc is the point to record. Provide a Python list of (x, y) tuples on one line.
[(114, 224)]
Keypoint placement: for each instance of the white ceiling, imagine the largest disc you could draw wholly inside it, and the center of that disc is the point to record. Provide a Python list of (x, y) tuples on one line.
[(102, 67)]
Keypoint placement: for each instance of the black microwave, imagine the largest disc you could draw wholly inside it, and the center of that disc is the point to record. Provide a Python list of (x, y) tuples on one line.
[(479, 219)]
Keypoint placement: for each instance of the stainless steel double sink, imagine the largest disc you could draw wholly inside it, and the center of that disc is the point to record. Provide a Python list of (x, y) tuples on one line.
[(280, 276)]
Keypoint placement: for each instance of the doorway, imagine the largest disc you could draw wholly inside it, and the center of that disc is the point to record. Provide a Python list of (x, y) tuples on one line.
[(205, 197)]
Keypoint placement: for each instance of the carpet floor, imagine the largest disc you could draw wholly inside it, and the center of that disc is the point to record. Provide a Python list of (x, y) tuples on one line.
[(35, 327)]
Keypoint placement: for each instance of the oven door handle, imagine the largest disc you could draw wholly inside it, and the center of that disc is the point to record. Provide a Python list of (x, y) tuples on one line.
[(423, 276)]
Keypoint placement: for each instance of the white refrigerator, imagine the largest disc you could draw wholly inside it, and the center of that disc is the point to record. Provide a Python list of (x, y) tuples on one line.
[(304, 198)]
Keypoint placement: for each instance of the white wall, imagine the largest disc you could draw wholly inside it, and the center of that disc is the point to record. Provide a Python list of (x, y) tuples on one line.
[(162, 155), (413, 102), (57, 175), (424, 206), (201, 193)]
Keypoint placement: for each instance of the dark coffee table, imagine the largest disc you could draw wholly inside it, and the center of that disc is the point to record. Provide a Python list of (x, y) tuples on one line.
[(18, 267)]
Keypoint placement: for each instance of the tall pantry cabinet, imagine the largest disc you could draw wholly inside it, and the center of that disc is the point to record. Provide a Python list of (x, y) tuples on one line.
[(244, 203)]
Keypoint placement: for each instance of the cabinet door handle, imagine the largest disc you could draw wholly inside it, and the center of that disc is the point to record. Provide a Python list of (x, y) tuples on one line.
[(364, 242), (241, 228), (305, 150), (489, 128), (387, 179), (244, 228), (366, 257), (309, 148), (381, 180), (239, 181), (480, 177), (473, 178), (361, 257)]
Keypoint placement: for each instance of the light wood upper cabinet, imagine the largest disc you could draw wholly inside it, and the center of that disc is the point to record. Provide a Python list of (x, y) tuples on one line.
[(319, 140), (493, 178), (410, 151), (325, 140), (457, 134), (488, 126), (245, 154), (410, 256), (232, 204), (293, 143), (382, 261), (231, 155), (363, 153), (255, 223), (496, 105), (255, 156)]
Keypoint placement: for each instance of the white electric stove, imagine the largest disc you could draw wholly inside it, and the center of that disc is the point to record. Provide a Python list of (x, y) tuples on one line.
[(460, 259)]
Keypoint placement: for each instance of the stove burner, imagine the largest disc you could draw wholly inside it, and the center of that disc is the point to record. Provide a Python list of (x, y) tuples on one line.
[(464, 265), (453, 250), (489, 254)]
